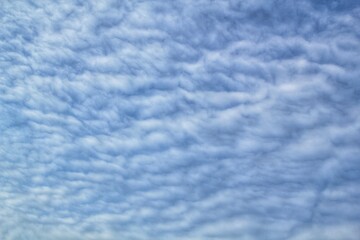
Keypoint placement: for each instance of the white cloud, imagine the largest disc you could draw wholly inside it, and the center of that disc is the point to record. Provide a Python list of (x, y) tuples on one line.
[(179, 120)]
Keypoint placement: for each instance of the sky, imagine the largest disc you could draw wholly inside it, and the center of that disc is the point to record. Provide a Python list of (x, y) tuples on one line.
[(180, 120)]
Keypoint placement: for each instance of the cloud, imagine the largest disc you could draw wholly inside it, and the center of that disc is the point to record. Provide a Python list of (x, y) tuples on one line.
[(179, 120)]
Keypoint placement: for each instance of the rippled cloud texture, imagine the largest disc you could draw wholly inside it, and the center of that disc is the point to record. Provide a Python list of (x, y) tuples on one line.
[(180, 120)]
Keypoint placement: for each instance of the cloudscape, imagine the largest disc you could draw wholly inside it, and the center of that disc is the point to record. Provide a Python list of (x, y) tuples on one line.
[(180, 120)]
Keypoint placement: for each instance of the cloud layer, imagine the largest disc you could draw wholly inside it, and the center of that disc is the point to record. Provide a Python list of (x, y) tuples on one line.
[(182, 119)]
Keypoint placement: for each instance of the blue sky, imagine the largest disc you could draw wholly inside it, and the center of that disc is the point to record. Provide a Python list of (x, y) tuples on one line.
[(180, 120)]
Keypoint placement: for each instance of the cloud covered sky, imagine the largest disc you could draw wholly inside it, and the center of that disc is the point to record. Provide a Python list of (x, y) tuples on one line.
[(180, 120)]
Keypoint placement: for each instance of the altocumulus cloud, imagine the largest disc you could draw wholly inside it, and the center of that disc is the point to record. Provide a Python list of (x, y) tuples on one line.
[(180, 120)]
